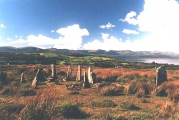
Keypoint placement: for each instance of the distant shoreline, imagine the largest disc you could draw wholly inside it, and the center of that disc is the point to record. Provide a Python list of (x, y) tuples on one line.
[(174, 61)]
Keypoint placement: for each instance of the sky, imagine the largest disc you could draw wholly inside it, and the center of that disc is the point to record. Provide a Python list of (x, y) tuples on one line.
[(137, 25)]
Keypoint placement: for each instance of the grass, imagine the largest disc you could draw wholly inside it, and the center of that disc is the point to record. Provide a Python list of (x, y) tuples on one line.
[(129, 106), (103, 104), (109, 101), (70, 111)]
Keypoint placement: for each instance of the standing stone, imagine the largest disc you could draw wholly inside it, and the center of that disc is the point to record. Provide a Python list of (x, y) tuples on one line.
[(94, 77), (69, 73), (90, 78), (86, 82), (22, 77), (35, 81), (78, 76), (38, 77), (161, 75), (53, 71)]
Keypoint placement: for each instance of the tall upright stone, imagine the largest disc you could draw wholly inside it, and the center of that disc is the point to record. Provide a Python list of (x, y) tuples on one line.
[(22, 77), (78, 76), (90, 78), (53, 67), (161, 75), (69, 73), (85, 81)]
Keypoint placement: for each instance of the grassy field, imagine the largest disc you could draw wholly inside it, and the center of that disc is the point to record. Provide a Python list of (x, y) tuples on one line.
[(121, 93)]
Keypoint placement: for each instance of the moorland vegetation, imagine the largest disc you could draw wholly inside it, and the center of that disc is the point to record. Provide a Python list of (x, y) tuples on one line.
[(123, 90)]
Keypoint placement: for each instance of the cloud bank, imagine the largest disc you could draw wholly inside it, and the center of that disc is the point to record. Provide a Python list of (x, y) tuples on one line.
[(70, 38), (158, 20)]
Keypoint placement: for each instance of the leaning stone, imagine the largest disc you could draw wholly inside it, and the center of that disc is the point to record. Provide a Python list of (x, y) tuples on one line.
[(36, 79), (34, 83), (161, 75)]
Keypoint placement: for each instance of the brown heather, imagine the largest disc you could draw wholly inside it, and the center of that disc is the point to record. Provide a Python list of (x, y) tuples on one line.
[(52, 101)]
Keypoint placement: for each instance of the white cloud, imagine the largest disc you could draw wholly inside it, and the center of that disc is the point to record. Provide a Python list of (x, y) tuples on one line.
[(107, 26), (130, 18), (108, 43), (127, 31), (71, 38), (17, 43), (52, 31), (9, 39), (0, 37), (2, 26), (159, 19), (159, 15)]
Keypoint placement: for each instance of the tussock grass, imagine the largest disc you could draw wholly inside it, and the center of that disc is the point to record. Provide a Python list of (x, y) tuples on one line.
[(129, 106), (138, 88), (112, 90), (71, 111), (108, 101), (103, 103)]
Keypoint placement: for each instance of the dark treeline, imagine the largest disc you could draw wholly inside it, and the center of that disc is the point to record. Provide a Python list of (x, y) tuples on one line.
[(25, 58)]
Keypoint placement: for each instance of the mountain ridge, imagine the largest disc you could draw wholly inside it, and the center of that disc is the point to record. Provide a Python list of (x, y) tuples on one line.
[(110, 53)]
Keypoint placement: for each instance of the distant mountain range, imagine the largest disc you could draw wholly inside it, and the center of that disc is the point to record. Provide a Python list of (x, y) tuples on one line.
[(119, 54)]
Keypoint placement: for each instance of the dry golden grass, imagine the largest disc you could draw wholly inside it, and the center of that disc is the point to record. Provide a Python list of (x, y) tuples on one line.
[(54, 95)]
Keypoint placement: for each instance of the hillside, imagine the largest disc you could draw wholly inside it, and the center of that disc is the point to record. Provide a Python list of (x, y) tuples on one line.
[(118, 54)]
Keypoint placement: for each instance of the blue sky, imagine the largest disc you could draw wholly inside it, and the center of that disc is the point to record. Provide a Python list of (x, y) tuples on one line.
[(91, 24)]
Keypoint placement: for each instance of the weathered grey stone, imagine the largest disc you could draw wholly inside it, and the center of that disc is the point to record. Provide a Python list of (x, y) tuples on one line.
[(90, 79), (91, 76), (22, 77), (69, 73), (94, 77), (86, 82), (35, 81), (78, 76), (38, 77), (53, 67), (161, 75)]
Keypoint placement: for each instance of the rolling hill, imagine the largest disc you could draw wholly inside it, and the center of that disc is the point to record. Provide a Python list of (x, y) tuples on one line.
[(118, 54)]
